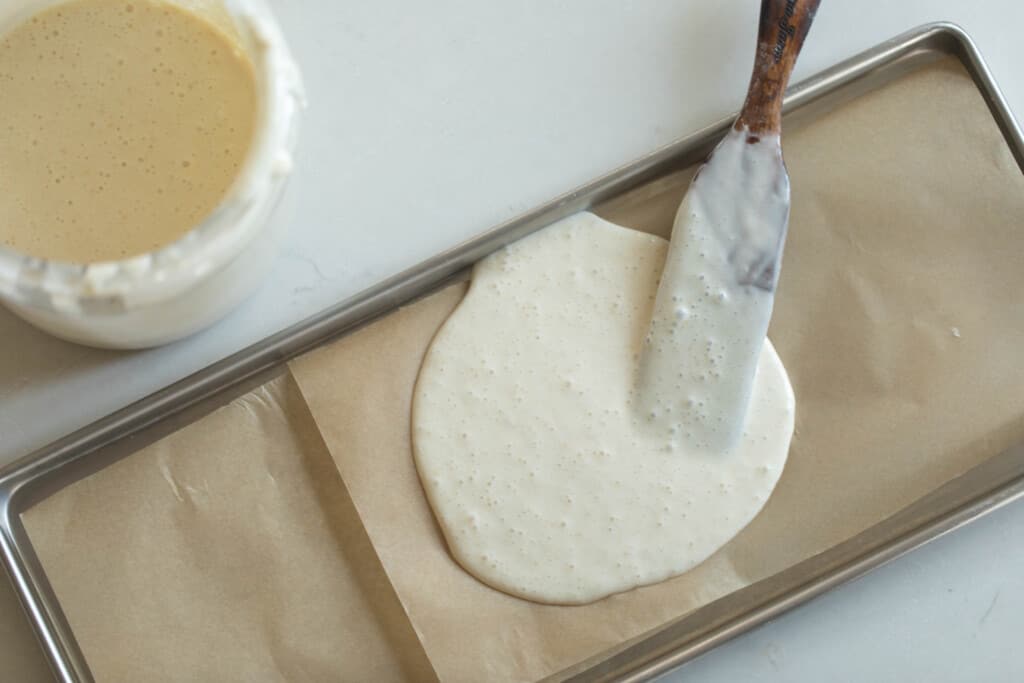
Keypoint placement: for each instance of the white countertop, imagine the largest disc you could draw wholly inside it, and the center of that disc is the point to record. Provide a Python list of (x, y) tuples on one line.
[(433, 121)]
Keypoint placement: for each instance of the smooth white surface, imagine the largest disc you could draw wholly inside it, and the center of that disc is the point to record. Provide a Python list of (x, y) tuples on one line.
[(466, 113), (548, 479), (948, 612)]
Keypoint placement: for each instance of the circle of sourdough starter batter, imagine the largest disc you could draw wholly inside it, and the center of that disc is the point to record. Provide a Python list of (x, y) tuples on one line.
[(545, 481)]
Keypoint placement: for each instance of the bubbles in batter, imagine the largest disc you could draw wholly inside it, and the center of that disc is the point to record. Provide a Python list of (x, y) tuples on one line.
[(122, 126), (545, 476)]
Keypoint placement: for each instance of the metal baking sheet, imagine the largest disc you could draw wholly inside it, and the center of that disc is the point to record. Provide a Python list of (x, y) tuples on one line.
[(981, 490)]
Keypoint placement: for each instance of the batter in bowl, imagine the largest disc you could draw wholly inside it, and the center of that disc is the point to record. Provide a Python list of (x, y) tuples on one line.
[(123, 123), (547, 479)]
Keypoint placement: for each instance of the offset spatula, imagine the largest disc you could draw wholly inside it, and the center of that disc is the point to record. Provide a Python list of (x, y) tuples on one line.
[(714, 303)]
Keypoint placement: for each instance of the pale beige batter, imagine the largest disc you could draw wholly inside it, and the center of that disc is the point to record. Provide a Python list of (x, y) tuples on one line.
[(122, 125), (546, 481)]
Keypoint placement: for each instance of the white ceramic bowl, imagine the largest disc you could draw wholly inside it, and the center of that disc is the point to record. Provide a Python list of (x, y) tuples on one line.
[(171, 293)]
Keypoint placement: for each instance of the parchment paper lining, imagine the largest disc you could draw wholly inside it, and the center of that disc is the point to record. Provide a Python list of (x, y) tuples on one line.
[(228, 551), (233, 551), (897, 319)]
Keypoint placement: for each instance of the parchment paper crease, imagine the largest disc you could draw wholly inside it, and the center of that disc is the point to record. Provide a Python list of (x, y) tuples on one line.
[(233, 550), (229, 551)]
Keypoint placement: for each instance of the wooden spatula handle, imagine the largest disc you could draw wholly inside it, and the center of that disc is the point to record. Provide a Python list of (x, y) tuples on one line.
[(784, 25)]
